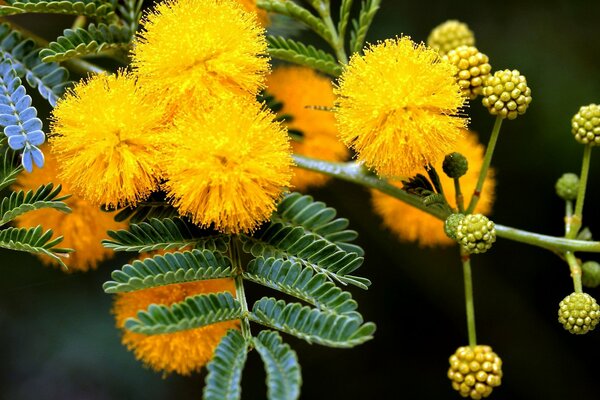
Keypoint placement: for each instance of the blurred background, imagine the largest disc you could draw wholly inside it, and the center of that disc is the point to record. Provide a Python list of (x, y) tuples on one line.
[(57, 335)]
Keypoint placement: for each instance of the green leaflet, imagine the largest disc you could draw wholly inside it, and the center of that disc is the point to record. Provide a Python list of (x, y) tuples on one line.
[(90, 8), (225, 370), (20, 202), (33, 240), (283, 371), (298, 53)]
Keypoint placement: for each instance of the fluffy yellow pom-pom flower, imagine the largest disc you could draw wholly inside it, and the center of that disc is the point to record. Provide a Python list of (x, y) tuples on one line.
[(83, 229), (106, 136), (182, 352), (411, 224), (234, 169), (398, 107), (199, 49), (299, 88)]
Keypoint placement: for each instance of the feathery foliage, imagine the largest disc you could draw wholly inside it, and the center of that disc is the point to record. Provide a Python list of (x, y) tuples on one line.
[(9, 165), (193, 312), (169, 268), (225, 370), (20, 202), (50, 79), (297, 12), (131, 12), (361, 26), (90, 8), (80, 42), (33, 240), (296, 52)]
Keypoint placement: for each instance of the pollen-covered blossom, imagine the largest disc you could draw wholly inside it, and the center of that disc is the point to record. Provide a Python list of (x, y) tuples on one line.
[(83, 229), (230, 166), (398, 107), (414, 225), (300, 89), (182, 352), (200, 49), (107, 139)]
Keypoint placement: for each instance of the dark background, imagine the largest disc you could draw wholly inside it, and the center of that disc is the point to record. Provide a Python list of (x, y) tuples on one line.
[(58, 341)]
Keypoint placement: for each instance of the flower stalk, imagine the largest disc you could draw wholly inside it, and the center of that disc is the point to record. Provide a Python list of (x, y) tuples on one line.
[(469, 302), (576, 219)]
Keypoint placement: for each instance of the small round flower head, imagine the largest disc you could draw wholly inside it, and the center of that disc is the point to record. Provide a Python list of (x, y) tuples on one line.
[(107, 136), (199, 49), (231, 165), (590, 274), (585, 125), (567, 186), (300, 89), (473, 69), (414, 225), (449, 36), (451, 225), (398, 107), (506, 94), (181, 352), (455, 165), (476, 233), (475, 371), (83, 229), (579, 313)]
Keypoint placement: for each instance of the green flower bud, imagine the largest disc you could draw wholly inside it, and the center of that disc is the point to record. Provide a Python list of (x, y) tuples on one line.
[(455, 165), (567, 186), (506, 94), (449, 36), (476, 233), (590, 274), (473, 69), (451, 225), (475, 371), (579, 313), (585, 125)]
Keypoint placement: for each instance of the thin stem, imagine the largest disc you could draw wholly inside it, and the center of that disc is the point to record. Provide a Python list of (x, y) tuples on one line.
[(489, 152), (576, 220), (337, 41), (469, 302), (354, 172), (568, 216), (460, 200), (234, 251), (575, 271)]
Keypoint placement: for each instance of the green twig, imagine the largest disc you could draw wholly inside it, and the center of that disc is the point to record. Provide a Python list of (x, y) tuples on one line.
[(234, 251), (460, 200), (469, 302), (576, 220), (337, 41), (489, 152), (575, 271)]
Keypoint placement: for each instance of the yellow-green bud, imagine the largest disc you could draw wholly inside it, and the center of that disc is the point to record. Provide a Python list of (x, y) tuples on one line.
[(450, 35), (451, 225), (579, 313), (476, 233), (506, 94), (590, 274), (585, 125), (455, 165), (475, 371), (473, 69), (567, 186)]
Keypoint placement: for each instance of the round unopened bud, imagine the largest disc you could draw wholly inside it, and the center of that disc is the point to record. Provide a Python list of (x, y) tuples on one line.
[(451, 225), (567, 186), (579, 313), (475, 371), (449, 36), (585, 125), (455, 165), (506, 94), (590, 274), (473, 69), (476, 233)]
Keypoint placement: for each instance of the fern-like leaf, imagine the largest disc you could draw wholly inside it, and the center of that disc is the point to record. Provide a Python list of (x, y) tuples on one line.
[(361, 26), (20, 202), (90, 8), (298, 53), (345, 9), (82, 42), (169, 268), (281, 363), (301, 282), (193, 312), (163, 234), (50, 79), (155, 206), (9, 167), (19, 119), (225, 369), (297, 12), (131, 12), (33, 240), (310, 324)]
